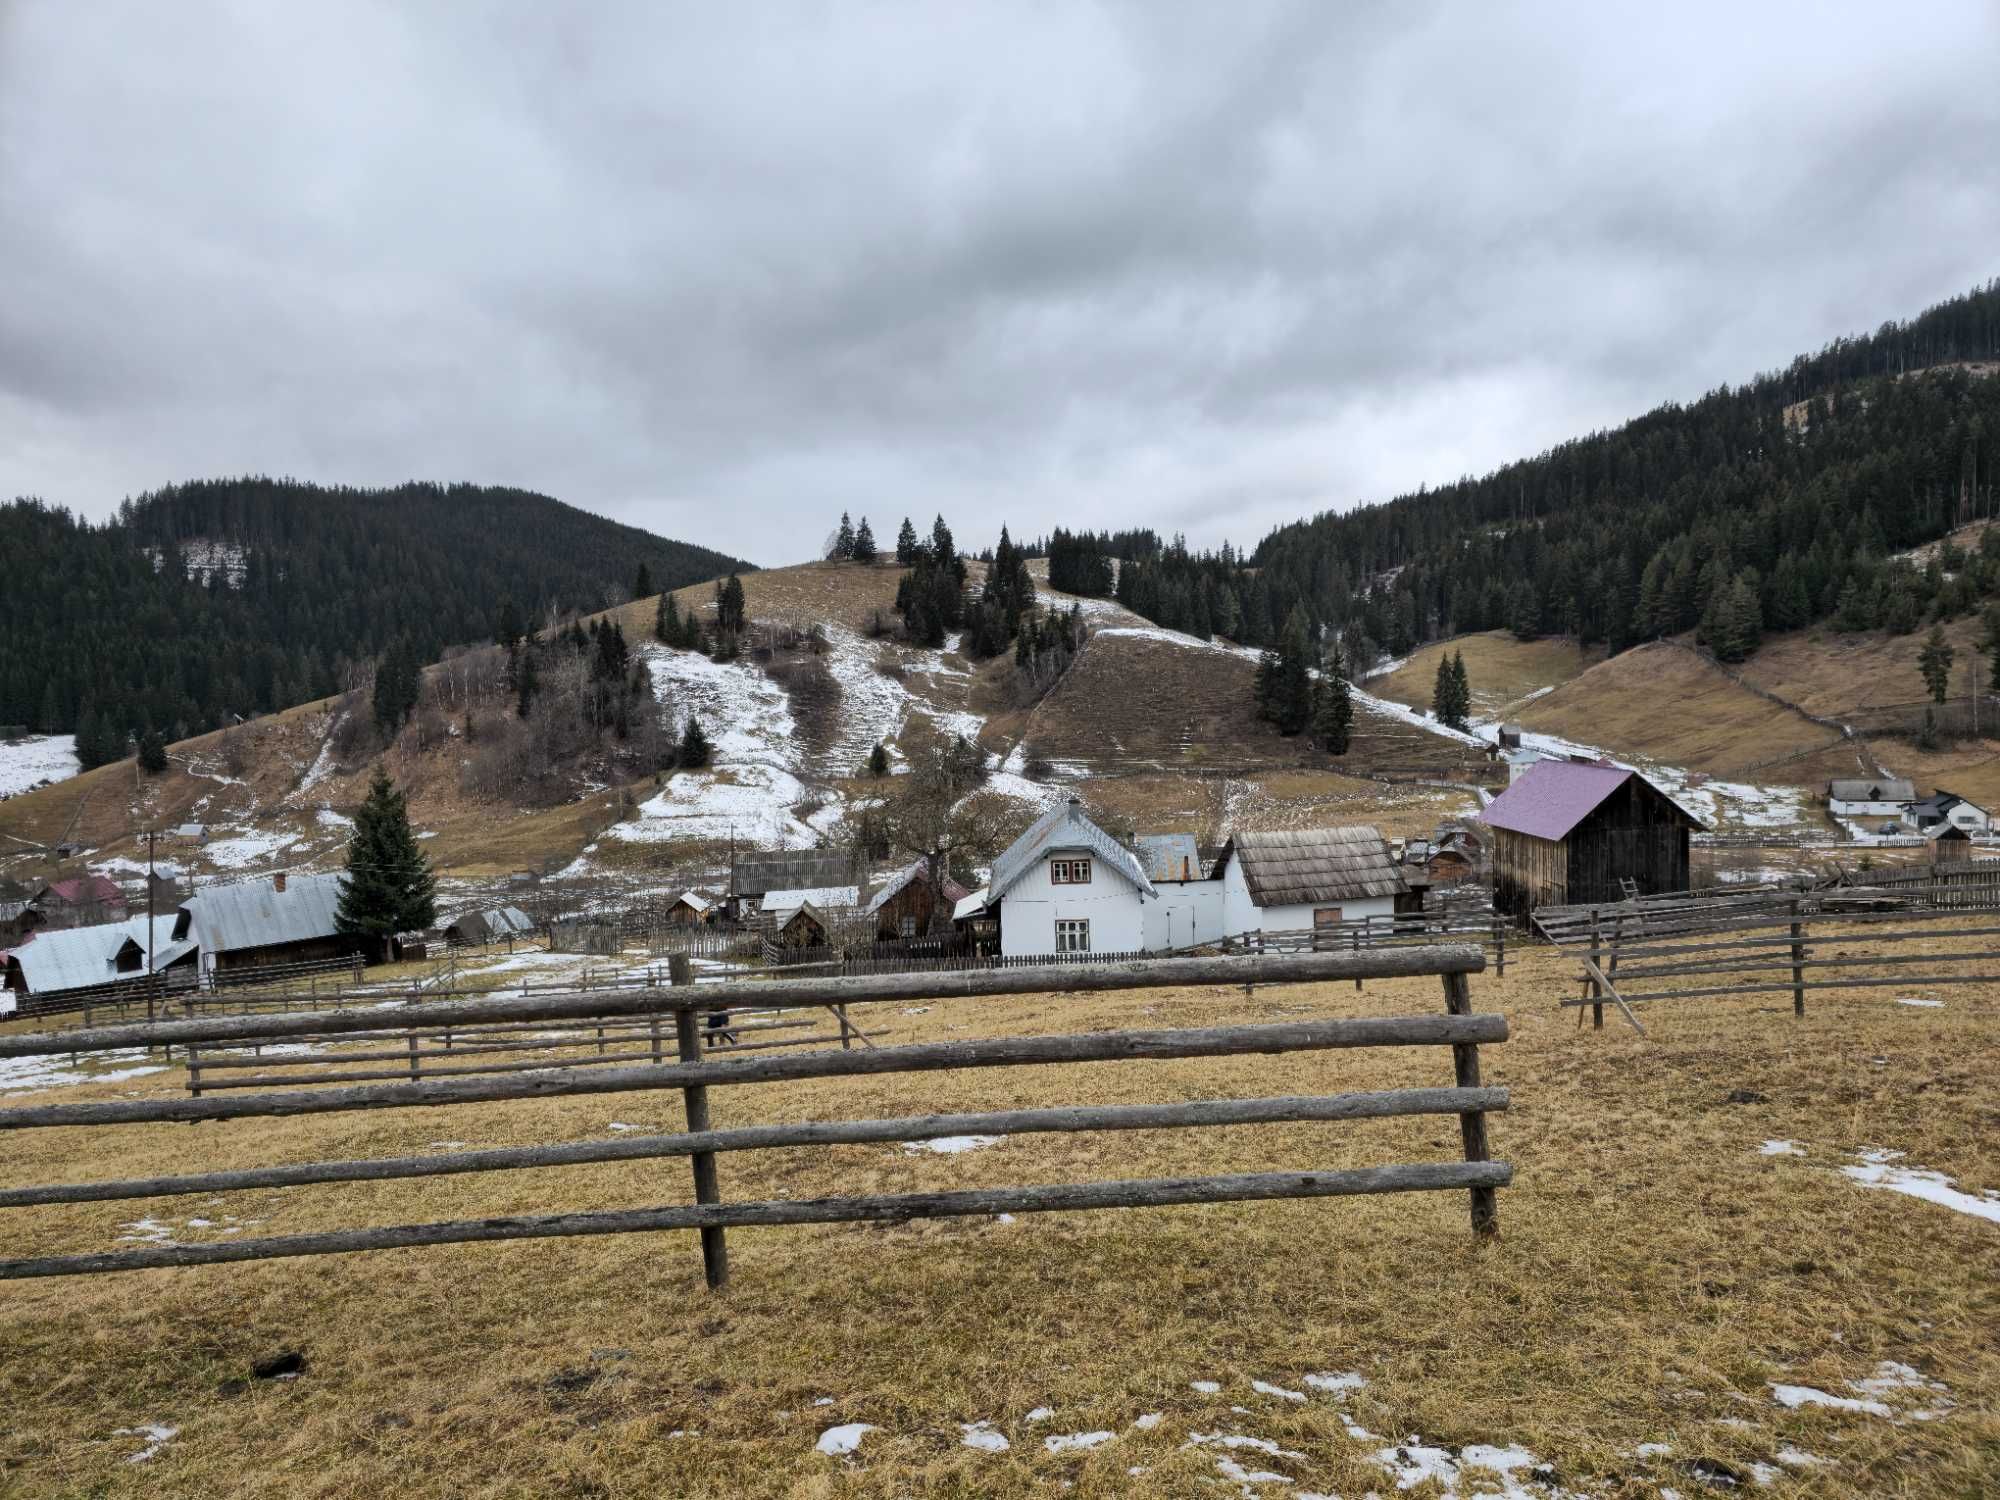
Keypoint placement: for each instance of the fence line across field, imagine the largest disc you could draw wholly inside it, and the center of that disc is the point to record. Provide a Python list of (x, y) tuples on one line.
[(1458, 1028)]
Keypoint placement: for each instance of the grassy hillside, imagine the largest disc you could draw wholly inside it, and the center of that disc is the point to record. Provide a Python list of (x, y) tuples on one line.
[(1503, 672), (1657, 1272)]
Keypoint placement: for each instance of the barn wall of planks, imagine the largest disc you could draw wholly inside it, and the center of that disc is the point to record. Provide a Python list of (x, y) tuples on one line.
[(695, 1071)]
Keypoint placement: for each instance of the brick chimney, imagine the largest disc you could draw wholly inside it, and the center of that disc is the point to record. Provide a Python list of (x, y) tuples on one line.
[(278, 882)]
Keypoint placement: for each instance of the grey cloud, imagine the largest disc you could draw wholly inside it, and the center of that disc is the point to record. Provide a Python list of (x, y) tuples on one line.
[(724, 273)]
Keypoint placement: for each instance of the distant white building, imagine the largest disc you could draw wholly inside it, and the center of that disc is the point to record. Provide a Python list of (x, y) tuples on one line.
[(1861, 797), (1067, 886)]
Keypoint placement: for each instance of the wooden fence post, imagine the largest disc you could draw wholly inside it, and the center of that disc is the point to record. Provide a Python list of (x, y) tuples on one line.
[(1500, 947), (707, 1188), (194, 1070), (1798, 961), (416, 1071), (1597, 958), (1472, 1123)]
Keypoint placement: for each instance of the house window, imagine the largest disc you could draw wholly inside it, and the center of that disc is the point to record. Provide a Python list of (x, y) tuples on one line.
[(1069, 872), (1326, 916), (908, 927), (1072, 935)]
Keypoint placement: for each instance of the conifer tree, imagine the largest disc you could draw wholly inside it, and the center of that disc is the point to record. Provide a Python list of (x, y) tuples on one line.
[(642, 586), (1292, 690), (1934, 662), (878, 761), (906, 544), (1333, 717), (152, 752), (843, 540), (527, 681), (389, 886), (729, 604), (696, 752), (863, 550), (1444, 694), (667, 620)]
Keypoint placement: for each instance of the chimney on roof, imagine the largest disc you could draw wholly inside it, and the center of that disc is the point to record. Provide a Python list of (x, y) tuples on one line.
[(1076, 801), (278, 882)]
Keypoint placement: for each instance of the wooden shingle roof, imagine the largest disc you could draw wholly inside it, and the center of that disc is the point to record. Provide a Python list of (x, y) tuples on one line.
[(1304, 866)]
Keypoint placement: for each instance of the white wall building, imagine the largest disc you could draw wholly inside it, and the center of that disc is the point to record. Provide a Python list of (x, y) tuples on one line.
[(1298, 879), (1883, 797), (1067, 886)]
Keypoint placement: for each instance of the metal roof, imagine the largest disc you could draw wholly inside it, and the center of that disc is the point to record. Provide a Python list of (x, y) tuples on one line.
[(256, 914), (824, 898), (792, 870), (1553, 797), (1301, 866), (76, 958), (1169, 856), (972, 905), (1881, 789), (952, 890), (1064, 827), (84, 890)]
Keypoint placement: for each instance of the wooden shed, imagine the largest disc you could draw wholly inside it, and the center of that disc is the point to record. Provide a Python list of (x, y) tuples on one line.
[(1569, 833), (909, 906), (806, 927)]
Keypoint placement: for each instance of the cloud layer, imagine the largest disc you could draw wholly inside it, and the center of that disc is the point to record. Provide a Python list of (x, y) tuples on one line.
[(725, 271)]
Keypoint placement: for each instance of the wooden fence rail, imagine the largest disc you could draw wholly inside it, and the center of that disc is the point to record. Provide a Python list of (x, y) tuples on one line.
[(702, 1142)]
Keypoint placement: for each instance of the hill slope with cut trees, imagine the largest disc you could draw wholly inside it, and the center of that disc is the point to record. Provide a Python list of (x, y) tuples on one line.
[(238, 596)]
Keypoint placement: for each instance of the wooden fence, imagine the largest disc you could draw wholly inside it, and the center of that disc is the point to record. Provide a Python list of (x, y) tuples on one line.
[(1458, 1028), (1487, 930), (1770, 952)]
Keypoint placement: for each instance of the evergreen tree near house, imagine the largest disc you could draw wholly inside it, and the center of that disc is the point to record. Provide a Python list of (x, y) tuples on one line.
[(906, 544), (863, 550), (389, 887), (642, 586), (1934, 662), (842, 547), (1451, 692), (1284, 677), (695, 751)]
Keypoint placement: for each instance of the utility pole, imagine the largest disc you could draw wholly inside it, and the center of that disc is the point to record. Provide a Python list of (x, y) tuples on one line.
[(152, 835)]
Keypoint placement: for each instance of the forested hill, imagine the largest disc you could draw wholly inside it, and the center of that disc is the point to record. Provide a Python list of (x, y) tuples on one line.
[(1766, 506), (238, 596)]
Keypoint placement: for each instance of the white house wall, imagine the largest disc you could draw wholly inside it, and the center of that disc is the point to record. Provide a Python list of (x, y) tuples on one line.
[(1186, 913), (1111, 904), (1868, 809), (1240, 914)]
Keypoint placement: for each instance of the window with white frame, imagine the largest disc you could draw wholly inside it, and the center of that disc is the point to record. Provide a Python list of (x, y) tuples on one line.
[(1069, 872), (1072, 935)]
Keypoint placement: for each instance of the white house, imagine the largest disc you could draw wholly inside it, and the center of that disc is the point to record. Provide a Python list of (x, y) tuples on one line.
[(1298, 879), (1067, 886), (1947, 809), (1189, 908), (1882, 797)]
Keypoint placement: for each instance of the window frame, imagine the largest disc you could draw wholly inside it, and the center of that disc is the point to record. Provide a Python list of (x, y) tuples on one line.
[(1072, 934), (1070, 870)]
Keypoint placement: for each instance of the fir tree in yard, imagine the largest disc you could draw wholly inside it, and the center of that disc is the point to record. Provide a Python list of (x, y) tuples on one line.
[(906, 544), (642, 586), (696, 752), (1934, 661), (863, 550), (389, 887), (1333, 716)]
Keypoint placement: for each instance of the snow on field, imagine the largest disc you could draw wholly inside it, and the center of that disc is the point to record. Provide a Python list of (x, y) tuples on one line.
[(54, 1070), (1920, 1182), (156, 1435), (1177, 638), (872, 706), (950, 1145), (241, 850), (1877, 1395), (28, 762), (837, 1442), (328, 818)]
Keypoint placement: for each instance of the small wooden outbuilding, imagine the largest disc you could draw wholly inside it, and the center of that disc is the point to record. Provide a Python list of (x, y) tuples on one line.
[(806, 927), (1568, 833), (911, 905)]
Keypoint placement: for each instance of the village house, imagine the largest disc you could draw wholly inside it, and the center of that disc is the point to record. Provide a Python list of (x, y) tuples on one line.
[(690, 909), (1942, 808), (273, 919), (753, 877), (1569, 833), (1068, 886), (60, 967), (81, 901), (1296, 880), (910, 905), (496, 924), (1863, 797), (803, 926)]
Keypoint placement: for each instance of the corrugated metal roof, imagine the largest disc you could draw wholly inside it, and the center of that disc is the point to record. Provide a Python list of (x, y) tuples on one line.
[(77, 958), (1301, 866), (793, 870), (1064, 827), (1881, 789), (1169, 856), (1553, 797), (84, 890), (823, 897), (256, 914), (972, 905)]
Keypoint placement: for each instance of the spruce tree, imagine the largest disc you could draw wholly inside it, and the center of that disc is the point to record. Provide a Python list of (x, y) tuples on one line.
[(906, 544), (667, 620), (878, 761), (1333, 717), (696, 752), (389, 886), (1292, 694), (729, 604), (1444, 694), (1934, 662), (863, 550), (152, 752), (843, 540), (642, 586)]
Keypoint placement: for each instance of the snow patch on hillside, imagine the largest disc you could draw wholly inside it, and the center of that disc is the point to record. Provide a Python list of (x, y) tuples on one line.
[(27, 763)]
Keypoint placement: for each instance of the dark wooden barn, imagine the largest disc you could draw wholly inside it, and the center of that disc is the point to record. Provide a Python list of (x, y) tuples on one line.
[(909, 906), (1570, 833)]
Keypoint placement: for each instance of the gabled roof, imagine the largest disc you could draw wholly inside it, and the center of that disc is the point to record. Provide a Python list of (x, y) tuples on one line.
[(694, 899), (782, 903), (256, 914), (951, 890), (972, 905), (1064, 826), (1881, 789), (1551, 798), (792, 870), (1169, 856), (1302, 866), (77, 958), (84, 890)]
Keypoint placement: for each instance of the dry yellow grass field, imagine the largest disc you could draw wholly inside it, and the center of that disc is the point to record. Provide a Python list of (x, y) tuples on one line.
[(1503, 672), (1656, 1274)]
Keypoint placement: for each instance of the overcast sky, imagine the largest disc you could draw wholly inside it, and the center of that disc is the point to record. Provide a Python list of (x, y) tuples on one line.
[(723, 271)]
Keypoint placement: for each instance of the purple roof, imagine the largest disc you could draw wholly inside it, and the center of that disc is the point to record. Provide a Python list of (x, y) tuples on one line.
[(1553, 796)]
